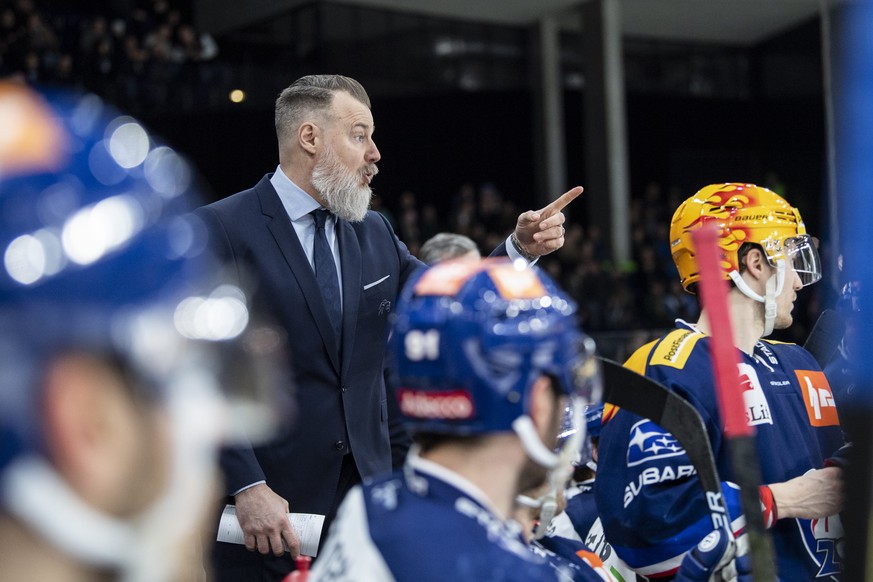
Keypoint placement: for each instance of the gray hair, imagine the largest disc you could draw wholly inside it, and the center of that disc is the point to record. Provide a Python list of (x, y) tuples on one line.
[(312, 94), (444, 246)]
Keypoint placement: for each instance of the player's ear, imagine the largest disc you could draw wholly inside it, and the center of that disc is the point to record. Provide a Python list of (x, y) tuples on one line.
[(756, 263)]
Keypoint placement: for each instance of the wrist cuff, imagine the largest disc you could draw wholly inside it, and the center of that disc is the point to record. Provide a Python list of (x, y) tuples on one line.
[(518, 248), (768, 506)]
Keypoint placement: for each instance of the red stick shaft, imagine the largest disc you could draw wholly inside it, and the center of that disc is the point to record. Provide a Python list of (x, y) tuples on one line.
[(740, 436), (713, 293)]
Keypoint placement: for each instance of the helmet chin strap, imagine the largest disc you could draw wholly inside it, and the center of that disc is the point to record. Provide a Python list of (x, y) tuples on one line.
[(533, 446), (774, 287), (34, 492)]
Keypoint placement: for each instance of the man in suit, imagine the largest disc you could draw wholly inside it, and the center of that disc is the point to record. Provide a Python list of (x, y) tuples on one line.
[(332, 286)]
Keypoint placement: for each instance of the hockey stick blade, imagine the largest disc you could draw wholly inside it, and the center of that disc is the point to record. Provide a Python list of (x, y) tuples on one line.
[(825, 337), (647, 398)]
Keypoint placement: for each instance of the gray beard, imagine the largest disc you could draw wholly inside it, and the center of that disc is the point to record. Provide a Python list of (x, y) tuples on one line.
[(341, 190)]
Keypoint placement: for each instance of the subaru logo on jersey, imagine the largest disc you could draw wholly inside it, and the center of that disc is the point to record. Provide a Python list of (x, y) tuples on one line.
[(451, 405), (757, 408), (649, 442)]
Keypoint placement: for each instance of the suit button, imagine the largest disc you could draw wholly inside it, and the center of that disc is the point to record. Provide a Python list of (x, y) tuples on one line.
[(344, 387), (339, 445)]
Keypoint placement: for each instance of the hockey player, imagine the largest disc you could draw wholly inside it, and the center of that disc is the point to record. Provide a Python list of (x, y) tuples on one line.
[(110, 411), (565, 555), (487, 355), (579, 521), (643, 473)]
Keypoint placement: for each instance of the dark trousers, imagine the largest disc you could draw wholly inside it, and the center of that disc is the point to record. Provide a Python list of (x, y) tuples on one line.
[(234, 563)]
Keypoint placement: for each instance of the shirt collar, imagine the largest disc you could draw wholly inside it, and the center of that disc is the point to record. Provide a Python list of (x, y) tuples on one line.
[(297, 203)]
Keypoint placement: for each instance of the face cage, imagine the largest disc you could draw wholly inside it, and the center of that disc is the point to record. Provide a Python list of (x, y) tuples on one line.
[(194, 379), (582, 374), (243, 373), (586, 390), (573, 446)]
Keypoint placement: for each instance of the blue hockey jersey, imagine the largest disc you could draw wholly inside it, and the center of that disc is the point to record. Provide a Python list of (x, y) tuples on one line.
[(428, 524), (581, 509), (650, 501)]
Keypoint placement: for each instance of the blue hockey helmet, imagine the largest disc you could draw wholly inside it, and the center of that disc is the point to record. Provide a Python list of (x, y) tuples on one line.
[(99, 254), (469, 340), (593, 420), (593, 424)]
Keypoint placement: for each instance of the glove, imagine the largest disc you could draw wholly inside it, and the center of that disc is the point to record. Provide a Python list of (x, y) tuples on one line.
[(841, 457), (714, 559)]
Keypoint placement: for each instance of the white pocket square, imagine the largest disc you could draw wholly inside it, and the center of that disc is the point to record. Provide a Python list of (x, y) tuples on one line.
[(374, 283)]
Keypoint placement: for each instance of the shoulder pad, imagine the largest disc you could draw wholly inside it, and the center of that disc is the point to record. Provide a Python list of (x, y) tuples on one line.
[(674, 349), (637, 361)]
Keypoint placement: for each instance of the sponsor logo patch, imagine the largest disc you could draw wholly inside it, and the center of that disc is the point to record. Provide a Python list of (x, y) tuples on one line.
[(451, 405), (649, 442), (675, 348), (654, 475), (757, 408), (824, 540), (818, 397)]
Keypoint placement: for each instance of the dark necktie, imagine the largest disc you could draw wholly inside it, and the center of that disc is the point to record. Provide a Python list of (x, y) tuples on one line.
[(325, 272)]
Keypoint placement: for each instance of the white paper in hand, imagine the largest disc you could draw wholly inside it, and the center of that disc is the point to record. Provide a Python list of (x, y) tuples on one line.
[(307, 526)]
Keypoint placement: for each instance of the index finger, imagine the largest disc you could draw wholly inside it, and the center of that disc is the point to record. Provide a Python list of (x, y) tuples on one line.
[(562, 201)]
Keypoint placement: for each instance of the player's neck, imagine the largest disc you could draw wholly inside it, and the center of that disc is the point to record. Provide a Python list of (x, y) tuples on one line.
[(746, 317), (493, 467)]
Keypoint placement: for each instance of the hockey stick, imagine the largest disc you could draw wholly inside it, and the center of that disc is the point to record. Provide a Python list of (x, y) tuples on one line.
[(825, 337), (650, 399), (739, 435)]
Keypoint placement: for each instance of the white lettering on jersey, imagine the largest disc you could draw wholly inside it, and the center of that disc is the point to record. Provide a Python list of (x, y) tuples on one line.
[(653, 475), (767, 352), (500, 532), (596, 540), (757, 408), (422, 345)]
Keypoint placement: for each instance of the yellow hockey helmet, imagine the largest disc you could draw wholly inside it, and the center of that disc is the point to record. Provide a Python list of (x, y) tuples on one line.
[(743, 213)]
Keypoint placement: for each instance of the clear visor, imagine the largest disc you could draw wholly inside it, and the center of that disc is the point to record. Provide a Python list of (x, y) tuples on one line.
[(801, 252), (585, 378), (587, 390), (582, 449)]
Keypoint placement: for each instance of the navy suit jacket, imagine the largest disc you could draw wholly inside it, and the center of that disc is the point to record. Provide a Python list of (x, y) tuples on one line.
[(342, 400)]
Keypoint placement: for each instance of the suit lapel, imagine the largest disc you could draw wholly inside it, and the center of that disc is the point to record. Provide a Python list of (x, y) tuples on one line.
[(350, 259), (289, 245)]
